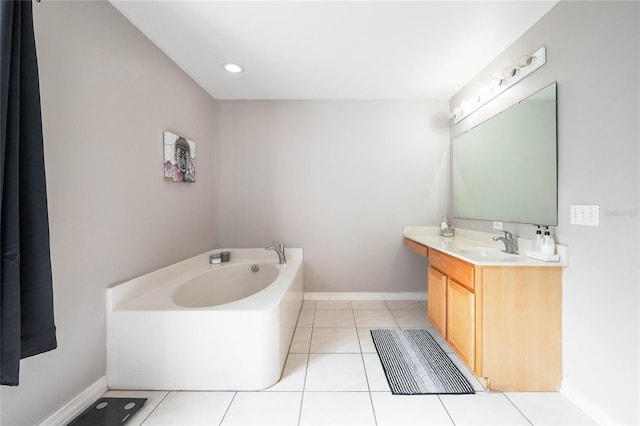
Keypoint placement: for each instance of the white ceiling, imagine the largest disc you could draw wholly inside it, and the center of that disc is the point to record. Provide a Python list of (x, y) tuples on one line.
[(333, 49)]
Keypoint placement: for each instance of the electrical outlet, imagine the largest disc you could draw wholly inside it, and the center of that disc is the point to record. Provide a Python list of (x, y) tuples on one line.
[(585, 214), (497, 225)]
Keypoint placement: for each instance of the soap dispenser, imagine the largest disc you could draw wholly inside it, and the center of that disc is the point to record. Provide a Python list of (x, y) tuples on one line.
[(443, 223), (447, 232), (537, 243), (548, 244)]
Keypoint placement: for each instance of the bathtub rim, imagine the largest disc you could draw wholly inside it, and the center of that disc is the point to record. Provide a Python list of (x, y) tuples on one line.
[(166, 280)]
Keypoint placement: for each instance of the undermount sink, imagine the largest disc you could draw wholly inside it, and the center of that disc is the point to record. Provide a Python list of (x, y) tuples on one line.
[(487, 253)]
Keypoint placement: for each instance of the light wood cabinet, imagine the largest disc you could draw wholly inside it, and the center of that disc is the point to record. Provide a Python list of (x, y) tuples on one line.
[(418, 248), (460, 322), (504, 322), (437, 300)]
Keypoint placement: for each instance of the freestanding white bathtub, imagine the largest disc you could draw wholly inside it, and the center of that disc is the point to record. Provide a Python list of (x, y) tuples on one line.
[(197, 326)]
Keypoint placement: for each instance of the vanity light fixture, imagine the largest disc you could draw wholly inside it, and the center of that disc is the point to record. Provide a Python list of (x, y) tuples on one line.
[(509, 76), (232, 67), (485, 92), (509, 72)]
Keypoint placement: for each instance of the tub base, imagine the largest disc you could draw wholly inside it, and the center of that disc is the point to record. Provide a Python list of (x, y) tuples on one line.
[(242, 349)]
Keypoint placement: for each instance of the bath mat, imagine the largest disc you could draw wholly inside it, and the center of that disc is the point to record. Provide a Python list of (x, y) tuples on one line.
[(109, 411), (415, 365)]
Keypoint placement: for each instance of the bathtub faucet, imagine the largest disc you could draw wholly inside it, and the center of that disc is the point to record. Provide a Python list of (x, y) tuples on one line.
[(279, 248)]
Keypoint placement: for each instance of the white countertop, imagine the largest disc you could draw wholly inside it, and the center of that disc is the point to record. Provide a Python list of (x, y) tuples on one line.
[(478, 248)]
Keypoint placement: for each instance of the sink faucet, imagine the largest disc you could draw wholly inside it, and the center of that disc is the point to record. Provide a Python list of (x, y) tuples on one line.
[(279, 248), (508, 242)]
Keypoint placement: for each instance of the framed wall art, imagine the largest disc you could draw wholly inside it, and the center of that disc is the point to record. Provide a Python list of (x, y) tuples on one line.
[(179, 158)]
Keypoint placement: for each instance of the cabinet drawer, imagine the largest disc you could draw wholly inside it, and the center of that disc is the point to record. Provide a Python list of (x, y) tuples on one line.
[(454, 268), (417, 247)]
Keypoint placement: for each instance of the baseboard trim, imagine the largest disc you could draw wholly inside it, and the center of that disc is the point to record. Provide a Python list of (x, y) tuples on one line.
[(77, 405), (586, 404), (408, 295)]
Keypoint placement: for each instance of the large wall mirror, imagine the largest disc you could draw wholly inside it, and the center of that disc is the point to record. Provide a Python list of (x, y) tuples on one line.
[(505, 168)]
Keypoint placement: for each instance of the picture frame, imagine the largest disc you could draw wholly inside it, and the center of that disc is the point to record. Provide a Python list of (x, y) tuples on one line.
[(179, 158)]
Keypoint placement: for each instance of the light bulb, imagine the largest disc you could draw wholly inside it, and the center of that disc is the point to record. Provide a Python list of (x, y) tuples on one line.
[(484, 92), (524, 61), (509, 72), (496, 82), (232, 67)]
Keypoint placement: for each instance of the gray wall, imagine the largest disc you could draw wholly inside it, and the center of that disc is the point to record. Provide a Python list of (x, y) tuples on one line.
[(338, 178), (593, 52), (107, 96)]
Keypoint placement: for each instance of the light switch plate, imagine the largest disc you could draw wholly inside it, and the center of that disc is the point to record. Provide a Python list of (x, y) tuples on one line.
[(497, 225), (585, 214)]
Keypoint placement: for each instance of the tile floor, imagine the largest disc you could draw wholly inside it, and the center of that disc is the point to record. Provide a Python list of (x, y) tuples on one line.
[(333, 377)]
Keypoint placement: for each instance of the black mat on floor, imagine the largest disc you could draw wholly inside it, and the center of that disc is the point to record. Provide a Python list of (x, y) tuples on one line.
[(109, 411), (416, 365)]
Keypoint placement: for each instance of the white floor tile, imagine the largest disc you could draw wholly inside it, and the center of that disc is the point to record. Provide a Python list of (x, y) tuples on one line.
[(405, 304), (374, 319), (333, 304), (369, 305), (306, 318), (549, 408), (400, 410), (336, 372), (154, 398), (335, 340), (293, 375), (301, 340), (375, 373), (411, 318), (264, 408), (484, 408), (334, 318), (308, 304), (337, 408), (191, 408), (366, 341)]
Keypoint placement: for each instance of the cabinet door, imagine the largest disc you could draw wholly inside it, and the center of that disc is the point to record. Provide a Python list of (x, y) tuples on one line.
[(460, 322), (437, 301)]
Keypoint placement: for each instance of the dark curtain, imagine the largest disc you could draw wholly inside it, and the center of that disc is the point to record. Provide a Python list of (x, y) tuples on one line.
[(26, 295)]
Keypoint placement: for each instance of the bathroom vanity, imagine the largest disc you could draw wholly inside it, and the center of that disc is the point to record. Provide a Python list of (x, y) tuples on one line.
[(502, 314)]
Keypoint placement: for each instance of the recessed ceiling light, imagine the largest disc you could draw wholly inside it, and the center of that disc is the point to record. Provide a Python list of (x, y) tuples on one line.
[(233, 68)]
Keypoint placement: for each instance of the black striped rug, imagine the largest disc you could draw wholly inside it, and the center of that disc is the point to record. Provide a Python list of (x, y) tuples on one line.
[(415, 365)]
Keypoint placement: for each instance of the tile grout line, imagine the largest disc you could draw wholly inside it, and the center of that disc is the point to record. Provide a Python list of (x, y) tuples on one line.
[(228, 407), (445, 409), (393, 316), (306, 368), (364, 366), (366, 375), (517, 408), (155, 408), (304, 385)]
